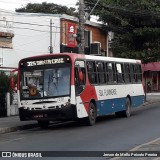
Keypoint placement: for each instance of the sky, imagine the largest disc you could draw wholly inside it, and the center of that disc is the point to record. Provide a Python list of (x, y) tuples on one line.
[(12, 4)]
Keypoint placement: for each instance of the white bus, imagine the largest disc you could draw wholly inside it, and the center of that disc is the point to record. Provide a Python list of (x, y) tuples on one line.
[(68, 86)]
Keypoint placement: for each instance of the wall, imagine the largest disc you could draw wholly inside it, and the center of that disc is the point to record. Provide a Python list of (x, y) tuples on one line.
[(98, 35), (6, 29), (32, 37)]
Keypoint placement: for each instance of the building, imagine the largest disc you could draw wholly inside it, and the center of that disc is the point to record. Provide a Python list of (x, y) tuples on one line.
[(6, 32), (152, 76), (32, 34)]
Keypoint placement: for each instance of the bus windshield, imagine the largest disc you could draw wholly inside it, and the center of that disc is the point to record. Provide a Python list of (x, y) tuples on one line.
[(45, 83)]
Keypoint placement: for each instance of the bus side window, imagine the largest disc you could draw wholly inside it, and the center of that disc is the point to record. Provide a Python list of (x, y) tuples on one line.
[(127, 73), (101, 72), (111, 76), (92, 75), (114, 73), (80, 76), (133, 73), (120, 75), (138, 72)]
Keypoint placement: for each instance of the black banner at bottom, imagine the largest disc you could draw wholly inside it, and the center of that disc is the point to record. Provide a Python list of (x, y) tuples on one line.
[(107, 154)]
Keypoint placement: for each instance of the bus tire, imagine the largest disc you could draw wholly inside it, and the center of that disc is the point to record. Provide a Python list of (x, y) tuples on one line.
[(127, 111), (92, 114), (43, 124), (118, 114)]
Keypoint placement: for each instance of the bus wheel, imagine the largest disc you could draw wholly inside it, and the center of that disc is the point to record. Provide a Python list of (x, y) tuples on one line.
[(118, 114), (43, 124), (127, 112), (92, 114)]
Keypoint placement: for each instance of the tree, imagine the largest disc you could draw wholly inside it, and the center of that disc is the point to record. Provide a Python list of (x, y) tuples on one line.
[(5, 83), (136, 25), (49, 8)]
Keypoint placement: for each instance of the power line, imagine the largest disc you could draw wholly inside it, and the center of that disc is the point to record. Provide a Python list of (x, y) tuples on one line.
[(32, 29), (43, 16), (35, 29), (46, 36), (4, 11), (29, 51), (128, 11), (34, 24), (93, 9), (40, 34)]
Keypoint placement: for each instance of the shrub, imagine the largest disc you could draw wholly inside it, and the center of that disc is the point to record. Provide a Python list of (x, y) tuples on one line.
[(4, 82)]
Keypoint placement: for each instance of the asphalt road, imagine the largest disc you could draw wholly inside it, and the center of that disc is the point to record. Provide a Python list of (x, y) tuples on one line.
[(109, 134)]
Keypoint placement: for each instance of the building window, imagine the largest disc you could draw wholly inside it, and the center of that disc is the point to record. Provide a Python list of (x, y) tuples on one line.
[(87, 38)]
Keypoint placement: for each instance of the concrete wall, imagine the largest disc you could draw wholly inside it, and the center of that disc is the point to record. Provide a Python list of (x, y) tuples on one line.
[(12, 107)]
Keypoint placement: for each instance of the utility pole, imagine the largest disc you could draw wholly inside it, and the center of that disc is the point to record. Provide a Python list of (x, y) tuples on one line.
[(81, 43), (50, 47)]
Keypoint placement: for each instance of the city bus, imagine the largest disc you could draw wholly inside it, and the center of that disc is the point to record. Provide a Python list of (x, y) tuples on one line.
[(69, 86)]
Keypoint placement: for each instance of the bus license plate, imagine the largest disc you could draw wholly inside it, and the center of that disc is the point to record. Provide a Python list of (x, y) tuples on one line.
[(38, 116)]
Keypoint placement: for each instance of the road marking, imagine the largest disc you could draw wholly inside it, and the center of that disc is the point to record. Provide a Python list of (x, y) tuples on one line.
[(148, 143), (137, 147)]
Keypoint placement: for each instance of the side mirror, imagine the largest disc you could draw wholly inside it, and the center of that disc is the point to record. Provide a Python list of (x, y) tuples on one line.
[(81, 76)]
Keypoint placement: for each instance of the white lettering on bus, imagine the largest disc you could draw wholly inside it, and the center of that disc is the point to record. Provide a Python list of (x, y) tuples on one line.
[(44, 62), (31, 63), (107, 92)]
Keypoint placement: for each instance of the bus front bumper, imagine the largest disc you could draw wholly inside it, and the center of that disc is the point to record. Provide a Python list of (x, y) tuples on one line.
[(66, 113)]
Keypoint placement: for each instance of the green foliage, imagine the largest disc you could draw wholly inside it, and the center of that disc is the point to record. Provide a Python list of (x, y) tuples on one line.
[(4, 82), (136, 25), (49, 8)]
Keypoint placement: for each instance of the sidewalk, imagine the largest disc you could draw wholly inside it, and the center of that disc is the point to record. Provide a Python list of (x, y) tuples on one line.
[(152, 98), (13, 123)]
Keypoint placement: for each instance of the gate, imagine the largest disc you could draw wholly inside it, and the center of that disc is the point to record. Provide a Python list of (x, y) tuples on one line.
[(3, 105)]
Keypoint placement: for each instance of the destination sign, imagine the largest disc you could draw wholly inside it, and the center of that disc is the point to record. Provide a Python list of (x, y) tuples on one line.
[(50, 61)]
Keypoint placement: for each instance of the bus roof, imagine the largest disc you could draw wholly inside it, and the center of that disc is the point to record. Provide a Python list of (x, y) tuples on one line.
[(89, 57), (115, 59)]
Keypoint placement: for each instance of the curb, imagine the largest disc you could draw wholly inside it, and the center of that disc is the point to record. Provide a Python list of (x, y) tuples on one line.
[(147, 102), (13, 129)]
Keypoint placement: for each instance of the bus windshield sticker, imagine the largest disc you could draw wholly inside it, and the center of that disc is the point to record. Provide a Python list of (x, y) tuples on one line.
[(79, 64)]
